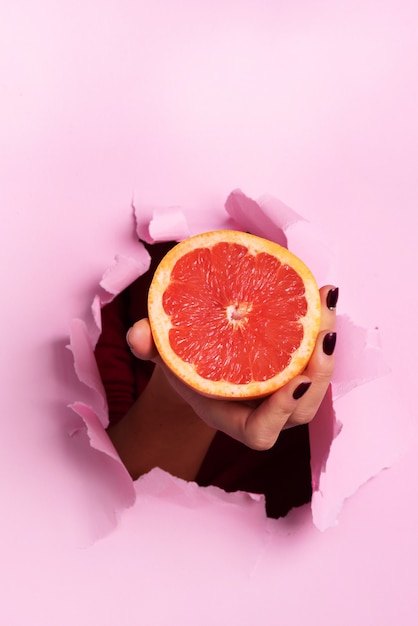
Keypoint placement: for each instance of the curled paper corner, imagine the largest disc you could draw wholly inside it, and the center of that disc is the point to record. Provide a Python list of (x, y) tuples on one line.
[(166, 224), (96, 314), (256, 219), (123, 272), (82, 348), (110, 477), (96, 433), (278, 212)]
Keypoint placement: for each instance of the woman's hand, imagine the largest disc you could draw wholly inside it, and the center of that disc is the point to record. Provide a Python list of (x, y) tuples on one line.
[(257, 424)]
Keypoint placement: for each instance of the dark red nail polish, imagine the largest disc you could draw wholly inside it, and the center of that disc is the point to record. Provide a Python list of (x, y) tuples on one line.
[(328, 345), (332, 298), (301, 390)]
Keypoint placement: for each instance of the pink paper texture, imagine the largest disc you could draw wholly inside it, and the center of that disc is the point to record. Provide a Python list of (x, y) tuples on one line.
[(162, 105)]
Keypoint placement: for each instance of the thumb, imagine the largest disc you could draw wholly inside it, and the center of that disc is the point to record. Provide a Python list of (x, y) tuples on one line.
[(140, 341)]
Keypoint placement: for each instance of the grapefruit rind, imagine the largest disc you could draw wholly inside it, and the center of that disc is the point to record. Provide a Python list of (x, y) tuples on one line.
[(160, 322)]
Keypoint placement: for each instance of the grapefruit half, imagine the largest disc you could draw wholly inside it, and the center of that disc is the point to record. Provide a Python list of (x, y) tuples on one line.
[(233, 315)]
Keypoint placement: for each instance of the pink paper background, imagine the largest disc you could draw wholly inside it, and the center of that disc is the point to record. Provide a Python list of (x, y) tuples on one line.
[(177, 103)]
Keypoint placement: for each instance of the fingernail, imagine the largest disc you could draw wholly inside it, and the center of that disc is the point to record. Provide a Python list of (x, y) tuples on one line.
[(328, 345), (127, 339), (301, 390), (332, 298)]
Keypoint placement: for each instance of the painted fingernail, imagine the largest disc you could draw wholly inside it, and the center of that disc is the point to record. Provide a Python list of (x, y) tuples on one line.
[(301, 390), (332, 298), (328, 345)]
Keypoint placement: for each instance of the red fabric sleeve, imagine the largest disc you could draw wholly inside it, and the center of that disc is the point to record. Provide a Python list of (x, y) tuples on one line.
[(115, 360)]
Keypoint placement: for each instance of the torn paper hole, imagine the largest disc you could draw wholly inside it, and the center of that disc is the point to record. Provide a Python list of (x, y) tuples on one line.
[(272, 219)]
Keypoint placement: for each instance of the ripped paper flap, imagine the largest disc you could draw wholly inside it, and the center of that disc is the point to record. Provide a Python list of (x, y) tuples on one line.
[(168, 225), (123, 272)]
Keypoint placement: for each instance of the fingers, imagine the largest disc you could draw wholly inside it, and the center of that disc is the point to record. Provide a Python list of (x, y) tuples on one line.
[(298, 401), (257, 427), (321, 364), (264, 424), (329, 298)]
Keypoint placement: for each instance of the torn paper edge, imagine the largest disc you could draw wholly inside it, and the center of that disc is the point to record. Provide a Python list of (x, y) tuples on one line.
[(166, 224), (269, 218)]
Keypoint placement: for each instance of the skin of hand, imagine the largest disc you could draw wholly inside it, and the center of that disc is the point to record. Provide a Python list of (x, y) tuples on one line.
[(257, 424)]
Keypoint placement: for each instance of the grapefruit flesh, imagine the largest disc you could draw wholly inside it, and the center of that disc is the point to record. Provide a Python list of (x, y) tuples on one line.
[(233, 315)]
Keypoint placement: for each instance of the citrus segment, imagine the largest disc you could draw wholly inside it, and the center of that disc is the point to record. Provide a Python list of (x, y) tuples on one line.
[(232, 314)]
